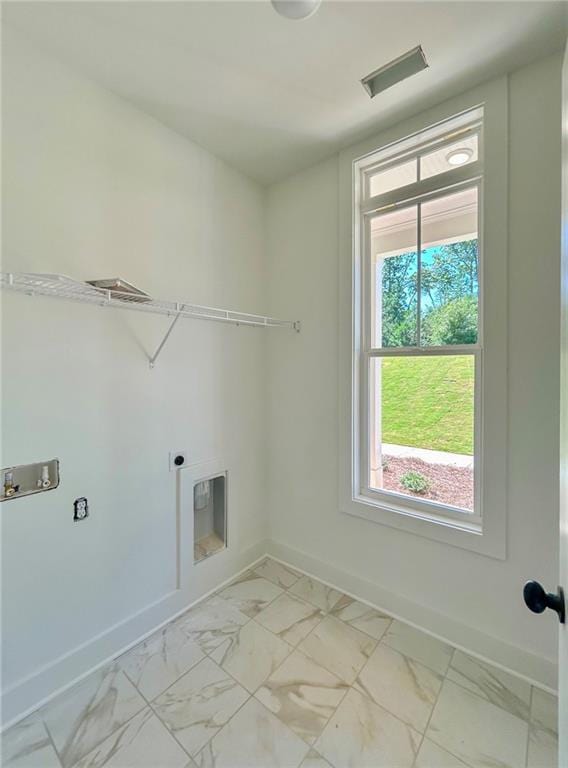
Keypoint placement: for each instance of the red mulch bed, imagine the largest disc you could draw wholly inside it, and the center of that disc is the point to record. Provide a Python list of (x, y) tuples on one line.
[(448, 485)]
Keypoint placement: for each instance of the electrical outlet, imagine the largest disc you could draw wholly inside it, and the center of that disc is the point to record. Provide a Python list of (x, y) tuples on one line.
[(178, 460), (80, 509)]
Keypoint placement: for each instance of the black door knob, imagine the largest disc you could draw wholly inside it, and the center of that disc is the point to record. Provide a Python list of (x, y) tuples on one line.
[(538, 600)]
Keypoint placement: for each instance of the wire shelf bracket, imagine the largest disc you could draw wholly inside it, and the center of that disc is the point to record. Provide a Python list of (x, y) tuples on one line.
[(154, 357), (63, 287)]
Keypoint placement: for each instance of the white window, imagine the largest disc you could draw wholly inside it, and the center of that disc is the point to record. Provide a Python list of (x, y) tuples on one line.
[(418, 324)]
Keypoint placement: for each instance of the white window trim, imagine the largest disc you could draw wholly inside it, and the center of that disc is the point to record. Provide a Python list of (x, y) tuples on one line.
[(365, 208), (487, 536)]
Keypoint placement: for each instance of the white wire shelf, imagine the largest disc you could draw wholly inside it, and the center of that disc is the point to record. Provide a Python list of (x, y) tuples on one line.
[(63, 287)]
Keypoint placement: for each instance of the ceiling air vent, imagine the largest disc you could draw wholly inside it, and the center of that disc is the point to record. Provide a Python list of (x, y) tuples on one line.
[(396, 70)]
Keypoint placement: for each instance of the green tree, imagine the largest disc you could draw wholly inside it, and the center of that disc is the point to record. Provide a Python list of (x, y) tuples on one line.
[(449, 286), (399, 293), (452, 273), (453, 323)]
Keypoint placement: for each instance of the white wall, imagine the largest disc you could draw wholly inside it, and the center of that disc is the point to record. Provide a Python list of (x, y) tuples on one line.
[(94, 188), (474, 600)]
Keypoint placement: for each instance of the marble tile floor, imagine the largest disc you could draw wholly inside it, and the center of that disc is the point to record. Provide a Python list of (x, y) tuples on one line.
[(277, 670)]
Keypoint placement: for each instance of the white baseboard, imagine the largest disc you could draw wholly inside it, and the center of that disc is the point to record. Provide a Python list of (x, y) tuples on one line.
[(34, 690), (536, 670)]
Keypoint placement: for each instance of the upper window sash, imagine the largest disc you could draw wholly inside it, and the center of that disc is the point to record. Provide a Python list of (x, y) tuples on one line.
[(473, 180)]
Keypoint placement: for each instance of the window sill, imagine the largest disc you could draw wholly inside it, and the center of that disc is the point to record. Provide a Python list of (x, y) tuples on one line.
[(458, 533), (421, 510)]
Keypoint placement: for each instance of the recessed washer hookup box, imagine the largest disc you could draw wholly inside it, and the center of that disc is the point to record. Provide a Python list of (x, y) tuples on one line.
[(26, 479)]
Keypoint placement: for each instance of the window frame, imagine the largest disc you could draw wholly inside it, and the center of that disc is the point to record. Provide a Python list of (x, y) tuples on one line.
[(490, 538), (366, 207)]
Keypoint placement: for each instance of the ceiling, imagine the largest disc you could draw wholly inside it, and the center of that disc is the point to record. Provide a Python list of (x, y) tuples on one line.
[(272, 96)]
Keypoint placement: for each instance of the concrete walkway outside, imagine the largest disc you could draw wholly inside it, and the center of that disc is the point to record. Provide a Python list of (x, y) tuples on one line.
[(432, 457)]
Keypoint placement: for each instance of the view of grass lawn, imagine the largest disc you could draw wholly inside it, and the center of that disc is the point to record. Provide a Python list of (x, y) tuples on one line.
[(427, 402)]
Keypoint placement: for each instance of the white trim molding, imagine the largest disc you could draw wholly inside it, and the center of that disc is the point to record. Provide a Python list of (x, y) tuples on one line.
[(43, 684), (32, 692), (537, 670), (487, 535)]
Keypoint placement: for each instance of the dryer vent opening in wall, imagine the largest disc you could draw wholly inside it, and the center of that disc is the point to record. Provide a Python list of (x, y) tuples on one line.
[(209, 516)]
